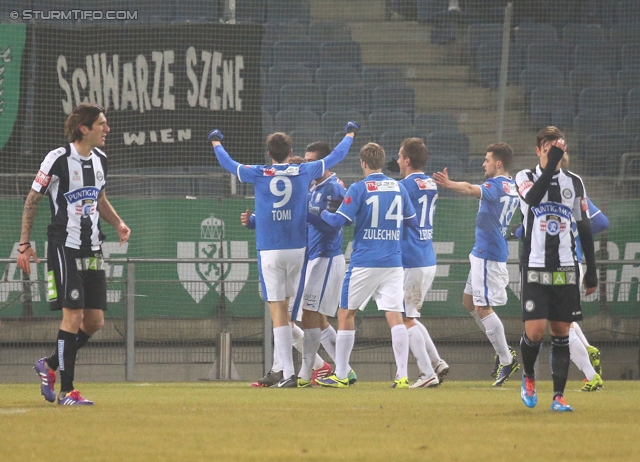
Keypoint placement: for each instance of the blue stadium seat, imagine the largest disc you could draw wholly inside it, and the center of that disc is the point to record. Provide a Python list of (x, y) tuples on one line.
[(329, 31), (393, 97), (455, 169), (288, 11), (428, 122), (591, 55), (251, 11), (628, 11), (327, 76), (382, 121), (538, 55), (582, 34), (631, 125), (340, 54), (270, 96), (622, 34), (528, 33), (364, 136), (532, 78), (627, 78), (303, 138), (347, 97), (334, 121), (277, 32), (351, 164), (197, 11), (630, 56), (594, 100), (288, 121), (488, 60), (552, 106), (633, 102), (474, 166), (302, 97), (448, 144), (583, 77), (373, 77), (601, 153), (585, 125), (283, 74), (392, 140), (268, 125), (483, 33), (296, 51), (430, 10)]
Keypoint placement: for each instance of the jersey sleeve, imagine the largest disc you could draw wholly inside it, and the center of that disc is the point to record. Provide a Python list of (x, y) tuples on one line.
[(580, 207), (315, 168), (408, 211), (227, 162), (351, 202), (249, 173), (48, 171), (523, 183), (489, 191)]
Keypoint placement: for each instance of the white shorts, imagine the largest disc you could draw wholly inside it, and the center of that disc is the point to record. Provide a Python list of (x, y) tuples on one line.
[(417, 281), (279, 272), (322, 285), (383, 284), (487, 282)]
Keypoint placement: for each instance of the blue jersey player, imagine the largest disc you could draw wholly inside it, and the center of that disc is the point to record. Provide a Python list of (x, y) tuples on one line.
[(281, 237), (378, 205), (419, 260), (488, 277)]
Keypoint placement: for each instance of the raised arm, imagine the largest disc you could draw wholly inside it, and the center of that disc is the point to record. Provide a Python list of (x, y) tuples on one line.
[(226, 162), (461, 187), (25, 251), (342, 148)]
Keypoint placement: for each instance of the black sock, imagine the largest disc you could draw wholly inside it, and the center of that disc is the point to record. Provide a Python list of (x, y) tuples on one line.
[(82, 339), (529, 352), (560, 360), (53, 362), (67, 349)]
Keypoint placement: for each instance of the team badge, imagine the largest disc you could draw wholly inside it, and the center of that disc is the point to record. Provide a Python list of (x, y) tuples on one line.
[(567, 194), (74, 294), (99, 176), (529, 306), (553, 226)]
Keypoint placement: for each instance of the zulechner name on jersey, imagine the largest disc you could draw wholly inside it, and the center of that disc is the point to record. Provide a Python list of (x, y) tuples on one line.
[(552, 208), (381, 234), (382, 186), (88, 192)]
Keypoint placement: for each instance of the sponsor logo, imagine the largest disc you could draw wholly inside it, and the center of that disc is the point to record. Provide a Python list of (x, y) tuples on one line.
[(371, 185), (425, 184), (76, 176), (584, 204), (552, 208), (43, 179), (99, 176), (198, 279), (347, 200), (509, 188), (269, 171), (567, 194), (74, 294), (529, 306), (524, 187), (383, 186), (82, 194)]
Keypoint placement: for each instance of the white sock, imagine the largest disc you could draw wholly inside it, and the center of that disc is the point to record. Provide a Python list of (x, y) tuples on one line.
[(580, 334), (328, 341), (419, 350), (277, 365), (476, 317), (297, 336), (309, 355), (282, 338), (495, 334), (344, 344), (579, 355), (432, 351), (400, 342)]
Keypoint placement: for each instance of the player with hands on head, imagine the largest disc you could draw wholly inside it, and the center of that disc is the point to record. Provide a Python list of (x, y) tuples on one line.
[(74, 177), (551, 199), (281, 218), (488, 276)]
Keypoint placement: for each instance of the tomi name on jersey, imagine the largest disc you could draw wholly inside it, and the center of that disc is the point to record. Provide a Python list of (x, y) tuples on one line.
[(281, 215)]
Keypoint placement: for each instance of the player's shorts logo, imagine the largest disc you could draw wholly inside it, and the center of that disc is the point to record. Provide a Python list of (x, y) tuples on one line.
[(529, 306), (199, 278), (74, 294)]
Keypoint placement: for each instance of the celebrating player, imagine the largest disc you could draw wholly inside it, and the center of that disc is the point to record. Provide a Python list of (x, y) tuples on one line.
[(551, 199), (74, 177), (419, 260), (488, 277), (281, 219), (379, 205)]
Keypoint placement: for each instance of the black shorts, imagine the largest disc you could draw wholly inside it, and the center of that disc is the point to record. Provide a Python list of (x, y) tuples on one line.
[(75, 279), (548, 301)]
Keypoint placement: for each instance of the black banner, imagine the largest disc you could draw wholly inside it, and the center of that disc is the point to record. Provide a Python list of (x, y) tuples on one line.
[(163, 87)]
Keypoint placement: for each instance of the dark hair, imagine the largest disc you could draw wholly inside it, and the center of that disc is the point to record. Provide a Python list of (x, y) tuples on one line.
[(415, 150), (85, 114), (320, 148), (279, 146), (548, 134), (296, 160), (503, 153), (373, 155)]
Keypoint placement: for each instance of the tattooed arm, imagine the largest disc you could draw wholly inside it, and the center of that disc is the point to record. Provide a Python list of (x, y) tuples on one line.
[(25, 251), (108, 213)]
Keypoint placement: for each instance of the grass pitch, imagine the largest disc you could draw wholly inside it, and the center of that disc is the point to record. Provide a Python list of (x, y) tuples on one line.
[(460, 421)]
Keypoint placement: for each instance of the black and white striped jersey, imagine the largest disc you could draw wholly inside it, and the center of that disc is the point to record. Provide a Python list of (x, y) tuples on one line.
[(548, 240), (73, 184)]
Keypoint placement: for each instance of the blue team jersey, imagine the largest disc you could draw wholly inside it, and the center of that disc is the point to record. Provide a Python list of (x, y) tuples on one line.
[(598, 223), (324, 241), (378, 205), (498, 202), (417, 243)]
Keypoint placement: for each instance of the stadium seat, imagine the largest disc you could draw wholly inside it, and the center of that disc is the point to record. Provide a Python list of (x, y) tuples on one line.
[(197, 11), (347, 97), (288, 11), (528, 33), (483, 33), (270, 96), (628, 11), (627, 78), (633, 102), (334, 121), (340, 54), (582, 34), (393, 97), (590, 55), (364, 136), (455, 169), (631, 125), (382, 121), (622, 34), (594, 100), (474, 166), (373, 77), (268, 125), (532, 78), (392, 140), (302, 97), (430, 10), (583, 77), (327, 76), (585, 125), (538, 55), (429, 122), (601, 153), (552, 106), (630, 56), (303, 138), (296, 51), (277, 32), (488, 61), (448, 144), (288, 121), (329, 31), (283, 74), (251, 11)]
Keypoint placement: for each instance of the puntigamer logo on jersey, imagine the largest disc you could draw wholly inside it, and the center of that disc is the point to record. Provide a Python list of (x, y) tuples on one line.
[(84, 199)]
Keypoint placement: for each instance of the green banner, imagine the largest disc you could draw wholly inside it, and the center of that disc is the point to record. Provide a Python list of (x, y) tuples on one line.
[(12, 40), (184, 228)]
